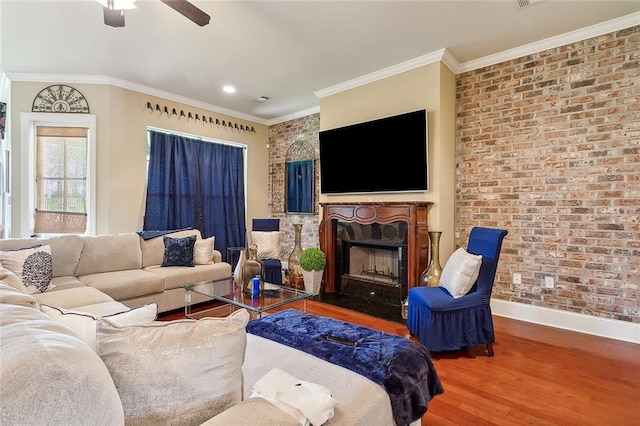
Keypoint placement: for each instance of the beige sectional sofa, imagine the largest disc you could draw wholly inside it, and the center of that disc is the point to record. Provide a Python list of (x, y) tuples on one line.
[(91, 352), (183, 372), (52, 374), (124, 267)]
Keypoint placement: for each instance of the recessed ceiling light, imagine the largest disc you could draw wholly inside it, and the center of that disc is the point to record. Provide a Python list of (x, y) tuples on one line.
[(229, 89)]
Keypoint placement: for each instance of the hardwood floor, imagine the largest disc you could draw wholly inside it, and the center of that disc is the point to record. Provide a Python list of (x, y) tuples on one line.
[(538, 376)]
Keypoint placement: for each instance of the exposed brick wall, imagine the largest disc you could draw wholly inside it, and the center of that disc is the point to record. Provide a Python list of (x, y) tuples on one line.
[(281, 136), (548, 147)]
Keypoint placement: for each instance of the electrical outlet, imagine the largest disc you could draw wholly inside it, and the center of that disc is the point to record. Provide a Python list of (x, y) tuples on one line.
[(548, 282), (517, 278)]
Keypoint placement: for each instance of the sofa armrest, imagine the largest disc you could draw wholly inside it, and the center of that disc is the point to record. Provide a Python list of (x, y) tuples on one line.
[(217, 256)]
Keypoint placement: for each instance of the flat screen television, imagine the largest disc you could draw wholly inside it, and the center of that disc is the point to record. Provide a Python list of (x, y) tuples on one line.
[(384, 155)]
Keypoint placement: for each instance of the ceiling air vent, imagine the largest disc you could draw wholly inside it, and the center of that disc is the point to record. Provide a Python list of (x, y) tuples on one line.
[(261, 99), (521, 4)]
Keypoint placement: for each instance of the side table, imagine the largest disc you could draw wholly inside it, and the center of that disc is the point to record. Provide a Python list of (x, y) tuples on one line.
[(233, 255)]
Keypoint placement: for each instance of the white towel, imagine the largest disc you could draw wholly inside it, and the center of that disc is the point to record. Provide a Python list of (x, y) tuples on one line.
[(310, 403)]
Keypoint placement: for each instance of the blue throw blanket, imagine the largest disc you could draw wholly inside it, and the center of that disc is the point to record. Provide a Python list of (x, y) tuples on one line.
[(402, 367), (147, 235)]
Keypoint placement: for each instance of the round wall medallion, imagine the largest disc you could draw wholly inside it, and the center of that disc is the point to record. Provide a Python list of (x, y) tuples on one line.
[(60, 98)]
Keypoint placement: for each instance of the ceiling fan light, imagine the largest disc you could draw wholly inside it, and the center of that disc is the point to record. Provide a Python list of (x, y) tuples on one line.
[(118, 4)]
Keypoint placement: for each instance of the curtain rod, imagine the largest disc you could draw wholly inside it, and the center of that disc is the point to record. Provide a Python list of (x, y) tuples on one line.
[(200, 138)]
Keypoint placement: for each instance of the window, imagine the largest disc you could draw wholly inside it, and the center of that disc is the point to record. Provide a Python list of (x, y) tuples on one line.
[(199, 183), (61, 180), (57, 174)]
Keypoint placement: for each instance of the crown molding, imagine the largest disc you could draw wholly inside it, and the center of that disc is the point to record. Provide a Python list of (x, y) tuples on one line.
[(450, 61), (442, 55), (5, 85), (293, 116), (553, 42), (112, 81), (384, 73)]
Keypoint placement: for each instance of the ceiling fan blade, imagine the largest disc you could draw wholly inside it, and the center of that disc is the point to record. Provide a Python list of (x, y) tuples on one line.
[(113, 18), (188, 10)]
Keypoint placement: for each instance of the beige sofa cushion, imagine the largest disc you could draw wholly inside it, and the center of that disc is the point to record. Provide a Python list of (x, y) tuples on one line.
[(177, 276), (65, 250), (11, 295), (12, 279), (49, 376), (179, 372), (106, 253), (73, 297), (153, 248), (66, 281), (122, 285), (17, 243), (104, 308)]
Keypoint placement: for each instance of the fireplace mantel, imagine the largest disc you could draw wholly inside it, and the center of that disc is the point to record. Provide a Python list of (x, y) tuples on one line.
[(414, 213)]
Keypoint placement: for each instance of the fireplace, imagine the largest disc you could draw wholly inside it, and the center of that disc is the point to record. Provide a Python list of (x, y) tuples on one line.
[(371, 261), (375, 251)]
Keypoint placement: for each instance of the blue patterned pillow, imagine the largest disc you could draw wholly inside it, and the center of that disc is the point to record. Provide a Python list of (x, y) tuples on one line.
[(178, 251)]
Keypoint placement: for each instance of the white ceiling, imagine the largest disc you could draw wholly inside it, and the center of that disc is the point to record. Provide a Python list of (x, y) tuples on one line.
[(286, 50)]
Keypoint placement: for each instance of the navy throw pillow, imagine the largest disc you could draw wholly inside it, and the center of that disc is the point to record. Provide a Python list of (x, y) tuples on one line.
[(178, 251)]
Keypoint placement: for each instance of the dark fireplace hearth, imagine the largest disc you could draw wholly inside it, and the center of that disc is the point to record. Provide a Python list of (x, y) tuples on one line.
[(376, 309)]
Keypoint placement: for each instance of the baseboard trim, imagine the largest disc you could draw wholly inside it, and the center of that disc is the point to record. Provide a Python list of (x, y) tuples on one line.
[(603, 327)]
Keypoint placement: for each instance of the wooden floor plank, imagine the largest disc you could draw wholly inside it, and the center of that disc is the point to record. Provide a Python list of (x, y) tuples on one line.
[(539, 376)]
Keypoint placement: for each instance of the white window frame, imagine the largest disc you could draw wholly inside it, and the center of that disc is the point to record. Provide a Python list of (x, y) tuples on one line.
[(28, 123)]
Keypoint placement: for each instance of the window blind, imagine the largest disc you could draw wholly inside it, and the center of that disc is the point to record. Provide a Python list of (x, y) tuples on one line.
[(61, 180)]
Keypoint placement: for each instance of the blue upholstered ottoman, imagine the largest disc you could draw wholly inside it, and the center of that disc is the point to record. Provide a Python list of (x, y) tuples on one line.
[(402, 367)]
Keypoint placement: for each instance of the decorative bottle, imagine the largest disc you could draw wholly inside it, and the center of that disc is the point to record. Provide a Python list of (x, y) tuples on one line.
[(251, 268), (238, 276), (431, 275), (295, 271)]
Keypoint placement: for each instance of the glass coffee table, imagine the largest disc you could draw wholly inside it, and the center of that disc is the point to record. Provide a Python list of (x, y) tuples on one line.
[(232, 297)]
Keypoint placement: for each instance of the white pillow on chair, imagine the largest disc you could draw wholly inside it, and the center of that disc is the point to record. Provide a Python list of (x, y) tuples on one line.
[(460, 272), (268, 243)]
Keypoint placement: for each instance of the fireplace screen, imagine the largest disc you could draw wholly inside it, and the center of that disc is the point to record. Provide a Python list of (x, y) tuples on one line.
[(372, 261)]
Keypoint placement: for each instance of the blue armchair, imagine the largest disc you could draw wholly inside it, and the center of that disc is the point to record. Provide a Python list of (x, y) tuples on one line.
[(272, 267), (444, 323)]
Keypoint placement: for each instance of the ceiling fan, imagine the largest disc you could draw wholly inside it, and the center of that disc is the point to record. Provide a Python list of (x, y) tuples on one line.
[(114, 11)]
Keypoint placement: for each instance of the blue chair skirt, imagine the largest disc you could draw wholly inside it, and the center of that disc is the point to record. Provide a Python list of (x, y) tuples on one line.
[(450, 330), (272, 271)]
